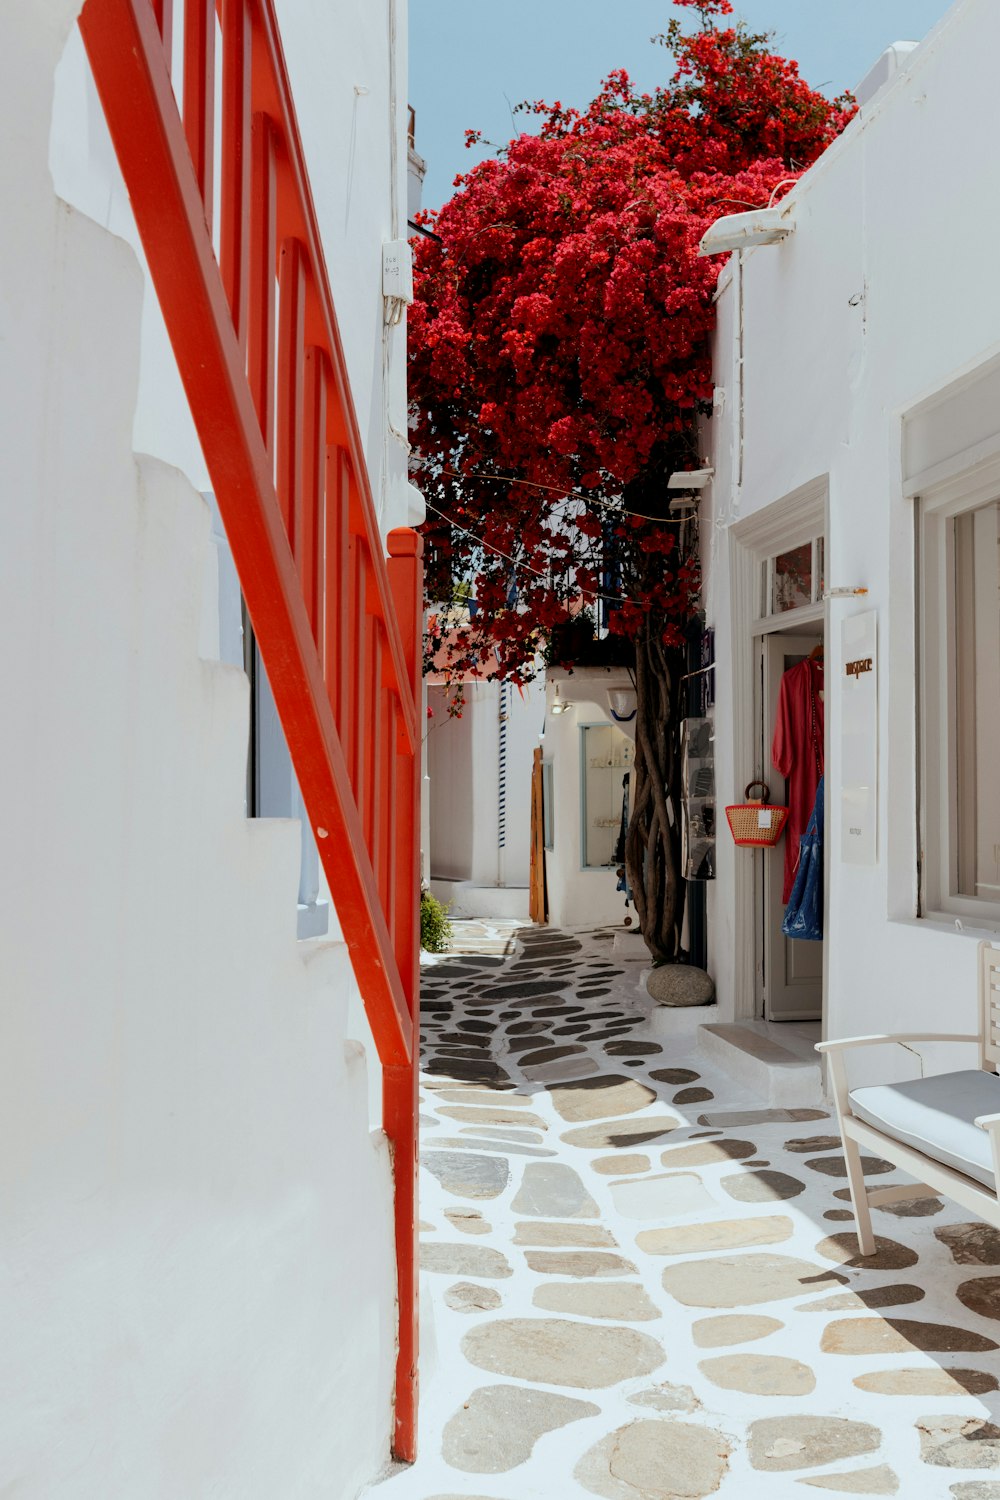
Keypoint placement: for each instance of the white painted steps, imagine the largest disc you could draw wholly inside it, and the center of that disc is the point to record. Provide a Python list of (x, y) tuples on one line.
[(777, 1062)]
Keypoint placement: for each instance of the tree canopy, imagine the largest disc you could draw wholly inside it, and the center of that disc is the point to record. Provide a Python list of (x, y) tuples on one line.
[(560, 340)]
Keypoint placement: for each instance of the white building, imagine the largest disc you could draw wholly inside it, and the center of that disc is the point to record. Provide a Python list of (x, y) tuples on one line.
[(197, 1234), (479, 764), (857, 366)]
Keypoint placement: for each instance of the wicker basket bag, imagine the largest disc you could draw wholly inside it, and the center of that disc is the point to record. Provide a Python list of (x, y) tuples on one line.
[(754, 822)]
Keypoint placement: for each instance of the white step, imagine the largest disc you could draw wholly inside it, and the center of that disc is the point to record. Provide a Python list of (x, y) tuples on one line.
[(778, 1064)]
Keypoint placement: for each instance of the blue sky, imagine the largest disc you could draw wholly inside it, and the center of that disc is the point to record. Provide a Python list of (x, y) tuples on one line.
[(471, 60)]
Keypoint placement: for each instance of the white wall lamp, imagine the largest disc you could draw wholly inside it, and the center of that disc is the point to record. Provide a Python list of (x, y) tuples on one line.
[(762, 226), (558, 706), (690, 479), (622, 703)]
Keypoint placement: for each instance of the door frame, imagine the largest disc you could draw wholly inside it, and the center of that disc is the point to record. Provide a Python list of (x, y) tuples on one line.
[(784, 524), (768, 936)]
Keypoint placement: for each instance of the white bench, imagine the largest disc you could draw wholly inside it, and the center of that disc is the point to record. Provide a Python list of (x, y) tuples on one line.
[(943, 1130)]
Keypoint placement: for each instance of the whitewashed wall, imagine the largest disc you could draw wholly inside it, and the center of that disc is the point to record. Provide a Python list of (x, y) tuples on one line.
[(463, 763), (577, 897), (197, 1226), (885, 293)]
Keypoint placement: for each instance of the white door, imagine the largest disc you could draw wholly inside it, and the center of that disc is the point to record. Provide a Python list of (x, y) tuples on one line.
[(792, 978)]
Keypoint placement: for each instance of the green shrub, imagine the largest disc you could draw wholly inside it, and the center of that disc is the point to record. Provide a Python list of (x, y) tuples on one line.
[(435, 929)]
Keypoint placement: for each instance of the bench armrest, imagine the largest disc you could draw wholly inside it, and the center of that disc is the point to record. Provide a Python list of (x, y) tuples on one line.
[(889, 1039), (988, 1122)]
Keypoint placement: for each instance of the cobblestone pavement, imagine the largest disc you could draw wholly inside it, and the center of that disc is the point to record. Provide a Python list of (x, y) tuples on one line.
[(640, 1284)]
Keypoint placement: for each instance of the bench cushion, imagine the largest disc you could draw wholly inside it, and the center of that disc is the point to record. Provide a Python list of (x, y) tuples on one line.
[(935, 1116)]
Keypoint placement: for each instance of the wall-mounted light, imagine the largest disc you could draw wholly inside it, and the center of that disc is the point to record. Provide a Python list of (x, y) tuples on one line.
[(762, 226), (690, 479), (621, 702), (558, 706)]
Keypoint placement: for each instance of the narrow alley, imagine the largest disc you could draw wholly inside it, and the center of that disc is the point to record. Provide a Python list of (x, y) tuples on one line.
[(639, 1284)]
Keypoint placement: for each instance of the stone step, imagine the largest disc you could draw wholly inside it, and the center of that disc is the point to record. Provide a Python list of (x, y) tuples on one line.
[(753, 1055)]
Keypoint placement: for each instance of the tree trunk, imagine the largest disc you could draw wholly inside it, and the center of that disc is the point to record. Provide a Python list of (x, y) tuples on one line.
[(653, 843)]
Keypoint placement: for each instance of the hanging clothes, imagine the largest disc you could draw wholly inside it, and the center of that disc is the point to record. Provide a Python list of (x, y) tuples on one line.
[(797, 752), (804, 913)]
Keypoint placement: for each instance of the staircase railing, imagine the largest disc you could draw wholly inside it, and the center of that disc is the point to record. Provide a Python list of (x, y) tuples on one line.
[(255, 337)]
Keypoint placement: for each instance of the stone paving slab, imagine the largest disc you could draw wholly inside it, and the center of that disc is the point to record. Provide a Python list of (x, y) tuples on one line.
[(671, 1306)]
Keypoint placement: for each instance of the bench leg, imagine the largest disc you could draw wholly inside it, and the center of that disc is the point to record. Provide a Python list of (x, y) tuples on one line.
[(859, 1197)]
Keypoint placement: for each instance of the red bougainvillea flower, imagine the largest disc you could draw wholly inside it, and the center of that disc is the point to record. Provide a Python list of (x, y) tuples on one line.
[(560, 346)]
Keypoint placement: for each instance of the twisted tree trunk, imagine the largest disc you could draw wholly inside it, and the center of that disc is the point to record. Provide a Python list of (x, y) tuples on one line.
[(653, 842)]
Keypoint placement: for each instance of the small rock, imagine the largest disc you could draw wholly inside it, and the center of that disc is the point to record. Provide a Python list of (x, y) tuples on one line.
[(959, 1442), (759, 1374), (580, 1263), (464, 1260), (469, 1095), (878, 1481), (468, 1220), (692, 1096), (836, 1166), (889, 1254), (911, 1208), (613, 1166), (554, 1351), (778, 1444), (680, 984), (632, 1049), (465, 1296), (667, 1397), (619, 1302), (552, 1190), (665, 1460), (499, 1425), (976, 1489), (717, 1234), (927, 1380), (474, 1115), (587, 1235), (743, 1280), (567, 1067), (708, 1153), (899, 1336), (737, 1328), (734, 1118), (600, 1098), (981, 1296), (802, 1145), (468, 1176), (623, 1132), (875, 1296), (674, 1075), (762, 1187)]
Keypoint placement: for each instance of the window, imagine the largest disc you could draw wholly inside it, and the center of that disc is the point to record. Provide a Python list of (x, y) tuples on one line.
[(960, 728), (548, 806), (793, 579), (605, 760)]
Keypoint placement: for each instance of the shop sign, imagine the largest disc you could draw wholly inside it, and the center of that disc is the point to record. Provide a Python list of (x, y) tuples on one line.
[(859, 739)]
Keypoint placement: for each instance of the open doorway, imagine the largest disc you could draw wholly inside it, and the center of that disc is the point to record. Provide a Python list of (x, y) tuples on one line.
[(789, 970)]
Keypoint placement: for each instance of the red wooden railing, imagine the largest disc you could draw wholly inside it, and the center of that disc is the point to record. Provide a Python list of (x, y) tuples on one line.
[(256, 341)]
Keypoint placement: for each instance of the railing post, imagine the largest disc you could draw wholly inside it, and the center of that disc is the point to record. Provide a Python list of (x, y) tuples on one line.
[(399, 1091)]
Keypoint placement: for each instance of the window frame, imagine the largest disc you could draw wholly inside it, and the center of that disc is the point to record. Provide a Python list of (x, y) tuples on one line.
[(816, 540), (939, 689)]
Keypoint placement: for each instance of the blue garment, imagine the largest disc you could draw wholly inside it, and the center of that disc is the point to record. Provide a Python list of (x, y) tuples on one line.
[(804, 912)]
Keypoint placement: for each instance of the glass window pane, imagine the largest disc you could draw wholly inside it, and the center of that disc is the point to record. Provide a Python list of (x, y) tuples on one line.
[(976, 666), (791, 586), (607, 759), (820, 568)]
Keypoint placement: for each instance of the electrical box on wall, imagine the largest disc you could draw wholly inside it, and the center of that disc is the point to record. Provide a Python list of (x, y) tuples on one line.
[(397, 270)]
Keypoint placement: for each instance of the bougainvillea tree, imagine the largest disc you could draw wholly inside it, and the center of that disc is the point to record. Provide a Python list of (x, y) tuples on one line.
[(560, 372)]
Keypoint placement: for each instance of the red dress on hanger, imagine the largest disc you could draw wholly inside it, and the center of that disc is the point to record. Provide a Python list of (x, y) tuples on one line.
[(797, 752)]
